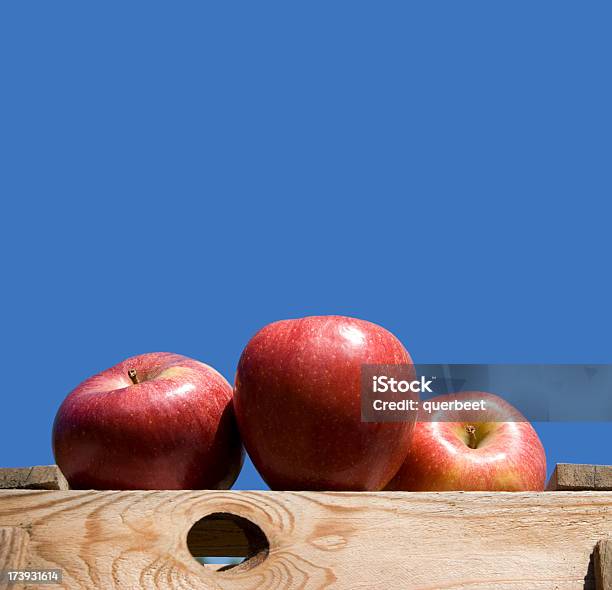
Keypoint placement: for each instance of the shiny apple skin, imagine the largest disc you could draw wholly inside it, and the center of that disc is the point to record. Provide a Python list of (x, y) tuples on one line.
[(174, 430), (510, 457), (297, 402)]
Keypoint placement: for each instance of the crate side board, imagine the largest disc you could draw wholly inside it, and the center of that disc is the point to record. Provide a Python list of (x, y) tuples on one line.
[(37, 477), (425, 541), (576, 476)]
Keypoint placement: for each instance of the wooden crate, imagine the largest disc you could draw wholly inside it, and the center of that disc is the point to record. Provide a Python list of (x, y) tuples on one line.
[(554, 540)]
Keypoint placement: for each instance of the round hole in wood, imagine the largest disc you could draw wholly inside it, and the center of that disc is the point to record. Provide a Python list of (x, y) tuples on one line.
[(222, 541)]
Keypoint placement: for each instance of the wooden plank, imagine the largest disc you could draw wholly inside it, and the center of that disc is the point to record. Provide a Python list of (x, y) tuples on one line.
[(39, 477), (603, 564), (13, 552), (569, 476), (391, 540)]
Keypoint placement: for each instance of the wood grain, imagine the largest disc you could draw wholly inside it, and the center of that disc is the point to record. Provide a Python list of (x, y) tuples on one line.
[(13, 552), (390, 540), (603, 565), (39, 477)]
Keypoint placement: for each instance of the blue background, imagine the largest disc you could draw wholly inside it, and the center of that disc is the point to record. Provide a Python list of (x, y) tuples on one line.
[(176, 175)]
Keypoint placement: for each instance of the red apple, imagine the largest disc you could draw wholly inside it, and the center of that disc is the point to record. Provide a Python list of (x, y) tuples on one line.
[(494, 450), (297, 402), (154, 421)]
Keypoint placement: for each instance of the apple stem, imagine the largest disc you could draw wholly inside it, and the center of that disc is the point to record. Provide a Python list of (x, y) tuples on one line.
[(471, 430), (133, 375)]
